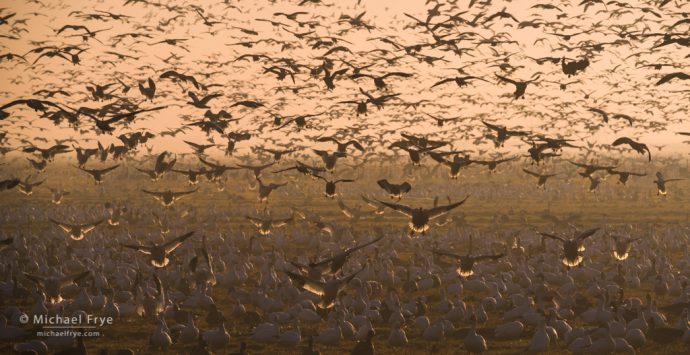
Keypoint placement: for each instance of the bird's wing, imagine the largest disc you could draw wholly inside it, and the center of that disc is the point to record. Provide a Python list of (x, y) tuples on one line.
[(173, 244), (406, 210), (107, 170), (316, 287), (491, 126), (443, 82), (363, 245), (65, 227), (440, 210), (281, 222), (37, 279), (507, 80), (551, 236), (152, 193), (586, 234), (182, 193), (531, 173), (622, 140), (445, 253), (488, 257), (88, 227), (69, 279), (384, 184), (141, 248)]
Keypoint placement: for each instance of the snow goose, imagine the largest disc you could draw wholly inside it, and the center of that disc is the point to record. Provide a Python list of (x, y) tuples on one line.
[(604, 345), (190, 332), (635, 337), (77, 231), (580, 345), (10, 333), (159, 253), (397, 336), (434, 332), (573, 247), (540, 340), (328, 291), (52, 286), (331, 336), (266, 333), (218, 338), (365, 347), (160, 339), (510, 330), (420, 217), (292, 337), (36, 346), (474, 343)]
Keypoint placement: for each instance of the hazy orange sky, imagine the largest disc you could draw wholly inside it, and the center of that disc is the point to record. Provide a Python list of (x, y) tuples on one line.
[(614, 77)]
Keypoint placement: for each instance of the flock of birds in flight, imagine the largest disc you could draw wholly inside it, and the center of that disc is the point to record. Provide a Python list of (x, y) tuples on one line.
[(310, 51)]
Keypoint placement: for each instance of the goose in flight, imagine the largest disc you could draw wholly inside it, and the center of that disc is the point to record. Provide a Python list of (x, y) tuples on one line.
[(256, 169), (77, 231), (328, 291), (622, 246), (541, 183), (160, 168), (331, 266), (492, 164), (573, 248), (305, 169), (199, 149), (52, 286), (48, 154), (168, 197), (40, 166), (27, 188), (9, 184), (192, 175), (379, 80), (278, 154), (342, 147), (203, 102), (99, 174), (150, 91), (623, 176), (329, 159), (440, 121), (467, 261), (218, 169), (459, 81), (455, 165), (265, 190), (159, 253), (331, 184), (668, 77), (395, 191), (420, 217), (590, 168), (636, 146), (661, 183), (503, 133), (267, 224), (36, 105), (520, 86)]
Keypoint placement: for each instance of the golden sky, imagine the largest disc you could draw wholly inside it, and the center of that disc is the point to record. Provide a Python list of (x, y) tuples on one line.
[(617, 80)]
